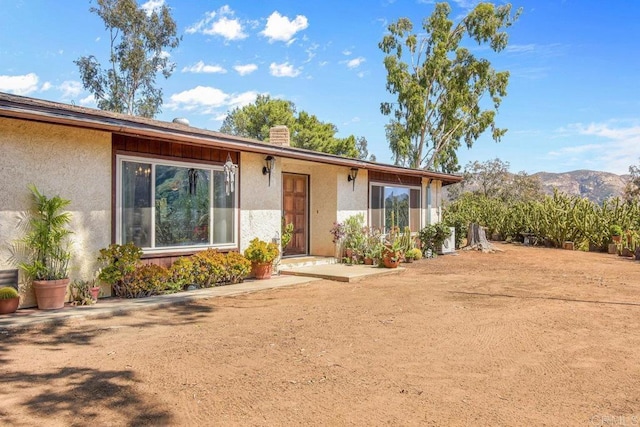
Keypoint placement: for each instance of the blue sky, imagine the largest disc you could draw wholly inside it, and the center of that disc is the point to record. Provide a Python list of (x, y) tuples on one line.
[(573, 98)]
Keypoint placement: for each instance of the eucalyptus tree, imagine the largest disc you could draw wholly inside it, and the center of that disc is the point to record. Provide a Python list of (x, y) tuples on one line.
[(139, 42), (440, 84)]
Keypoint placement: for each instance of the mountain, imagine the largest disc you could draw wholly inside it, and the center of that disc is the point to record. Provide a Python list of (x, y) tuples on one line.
[(595, 186)]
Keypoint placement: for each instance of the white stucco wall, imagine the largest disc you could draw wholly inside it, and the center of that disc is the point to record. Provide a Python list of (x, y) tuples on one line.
[(352, 199), (433, 203), (72, 163), (261, 204)]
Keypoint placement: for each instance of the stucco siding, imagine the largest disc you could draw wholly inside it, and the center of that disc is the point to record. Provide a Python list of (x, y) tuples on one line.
[(59, 160), (260, 204)]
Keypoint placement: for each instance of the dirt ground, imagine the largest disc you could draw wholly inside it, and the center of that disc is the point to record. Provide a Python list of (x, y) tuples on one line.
[(527, 336)]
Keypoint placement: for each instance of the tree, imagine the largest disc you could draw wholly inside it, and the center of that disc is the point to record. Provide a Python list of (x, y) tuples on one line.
[(632, 188), (139, 42), (255, 120), (492, 179), (306, 130), (440, 85)]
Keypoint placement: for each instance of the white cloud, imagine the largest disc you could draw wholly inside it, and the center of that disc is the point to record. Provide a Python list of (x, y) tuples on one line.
[(201, 67), (245, 69), (152, 6), (614, 145), (311, 52), (209, 100), (355, 62), (520, 48), (45, 86), (225, 25), (283, 70), (19, 85), (88, 101), (243, 99), (280, 28), (200, 96), (230, 29), (347, 52), (199, 26), (70, 89)]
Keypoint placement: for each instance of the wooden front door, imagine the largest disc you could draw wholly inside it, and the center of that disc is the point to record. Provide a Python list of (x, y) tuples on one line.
[(295, 210)]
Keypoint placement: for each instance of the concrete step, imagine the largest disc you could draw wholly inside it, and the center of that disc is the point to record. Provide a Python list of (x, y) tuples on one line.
[(304, 261)]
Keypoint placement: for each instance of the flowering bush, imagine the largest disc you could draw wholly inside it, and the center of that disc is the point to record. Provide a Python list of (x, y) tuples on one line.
[(338, 231)]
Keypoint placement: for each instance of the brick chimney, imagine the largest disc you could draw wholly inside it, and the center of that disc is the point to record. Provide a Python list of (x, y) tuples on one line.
[(279, 135)]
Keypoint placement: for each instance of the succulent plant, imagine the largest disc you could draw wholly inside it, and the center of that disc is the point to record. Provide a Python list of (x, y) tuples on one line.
[(8, 292)]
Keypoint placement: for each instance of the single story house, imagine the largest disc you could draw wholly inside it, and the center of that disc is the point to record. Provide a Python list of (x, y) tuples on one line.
[(174, 189)]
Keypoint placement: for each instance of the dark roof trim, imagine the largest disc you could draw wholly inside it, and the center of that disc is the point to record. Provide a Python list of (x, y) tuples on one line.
[(20, 107)]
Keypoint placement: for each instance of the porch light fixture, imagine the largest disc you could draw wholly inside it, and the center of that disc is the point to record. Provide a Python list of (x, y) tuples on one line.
[(352, 177), (269, 165)]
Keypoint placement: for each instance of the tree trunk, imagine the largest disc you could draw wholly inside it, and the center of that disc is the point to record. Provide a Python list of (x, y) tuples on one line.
[(477, 239)]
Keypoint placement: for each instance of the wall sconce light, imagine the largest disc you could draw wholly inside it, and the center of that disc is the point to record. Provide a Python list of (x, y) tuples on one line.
[(352, 177), (269, 165)]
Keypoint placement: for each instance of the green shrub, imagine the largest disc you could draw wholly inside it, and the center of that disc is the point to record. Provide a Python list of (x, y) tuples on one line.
[(117, 262), (433, 236), (144, 281), (8, 292), (237, 267), (261, 252), (414, 253), (181, 274), (208, 268)]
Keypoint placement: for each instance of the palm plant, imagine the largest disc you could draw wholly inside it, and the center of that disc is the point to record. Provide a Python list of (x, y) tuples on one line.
[(43, 253)]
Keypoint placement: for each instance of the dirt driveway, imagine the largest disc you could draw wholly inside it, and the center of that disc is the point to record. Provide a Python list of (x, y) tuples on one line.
[(527, 336)]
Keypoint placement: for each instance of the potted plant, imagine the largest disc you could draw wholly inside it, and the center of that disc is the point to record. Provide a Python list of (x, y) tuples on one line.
[(392, 254), (84, 292), (413, 254), (9, 300), (43, 253), (261, 254)]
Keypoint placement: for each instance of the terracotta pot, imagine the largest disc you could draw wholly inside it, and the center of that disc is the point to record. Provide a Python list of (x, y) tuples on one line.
[(95, 293), (262, 270), (368, 261), (389, 263), (9, 305), (50, 294)]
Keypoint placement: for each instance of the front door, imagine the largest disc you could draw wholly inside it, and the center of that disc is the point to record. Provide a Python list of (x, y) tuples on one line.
[(295, 210)]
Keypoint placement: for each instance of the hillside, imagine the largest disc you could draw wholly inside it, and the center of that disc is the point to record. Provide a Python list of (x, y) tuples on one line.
[(594, 185)]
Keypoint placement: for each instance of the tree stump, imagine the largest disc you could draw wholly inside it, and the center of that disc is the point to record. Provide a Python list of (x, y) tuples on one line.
[(477, 240)]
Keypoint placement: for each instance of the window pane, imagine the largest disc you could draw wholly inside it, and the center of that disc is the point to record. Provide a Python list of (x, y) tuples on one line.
[(377, 207), (182, 206), (136, 204), (414, 205), (223, 210), (396, 206)]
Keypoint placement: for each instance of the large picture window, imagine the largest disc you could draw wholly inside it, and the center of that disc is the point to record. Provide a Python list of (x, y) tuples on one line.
[(169, 205), (394, 206)]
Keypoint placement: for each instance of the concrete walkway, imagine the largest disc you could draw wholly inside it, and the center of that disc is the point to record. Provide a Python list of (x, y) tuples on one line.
[(106, 307)]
